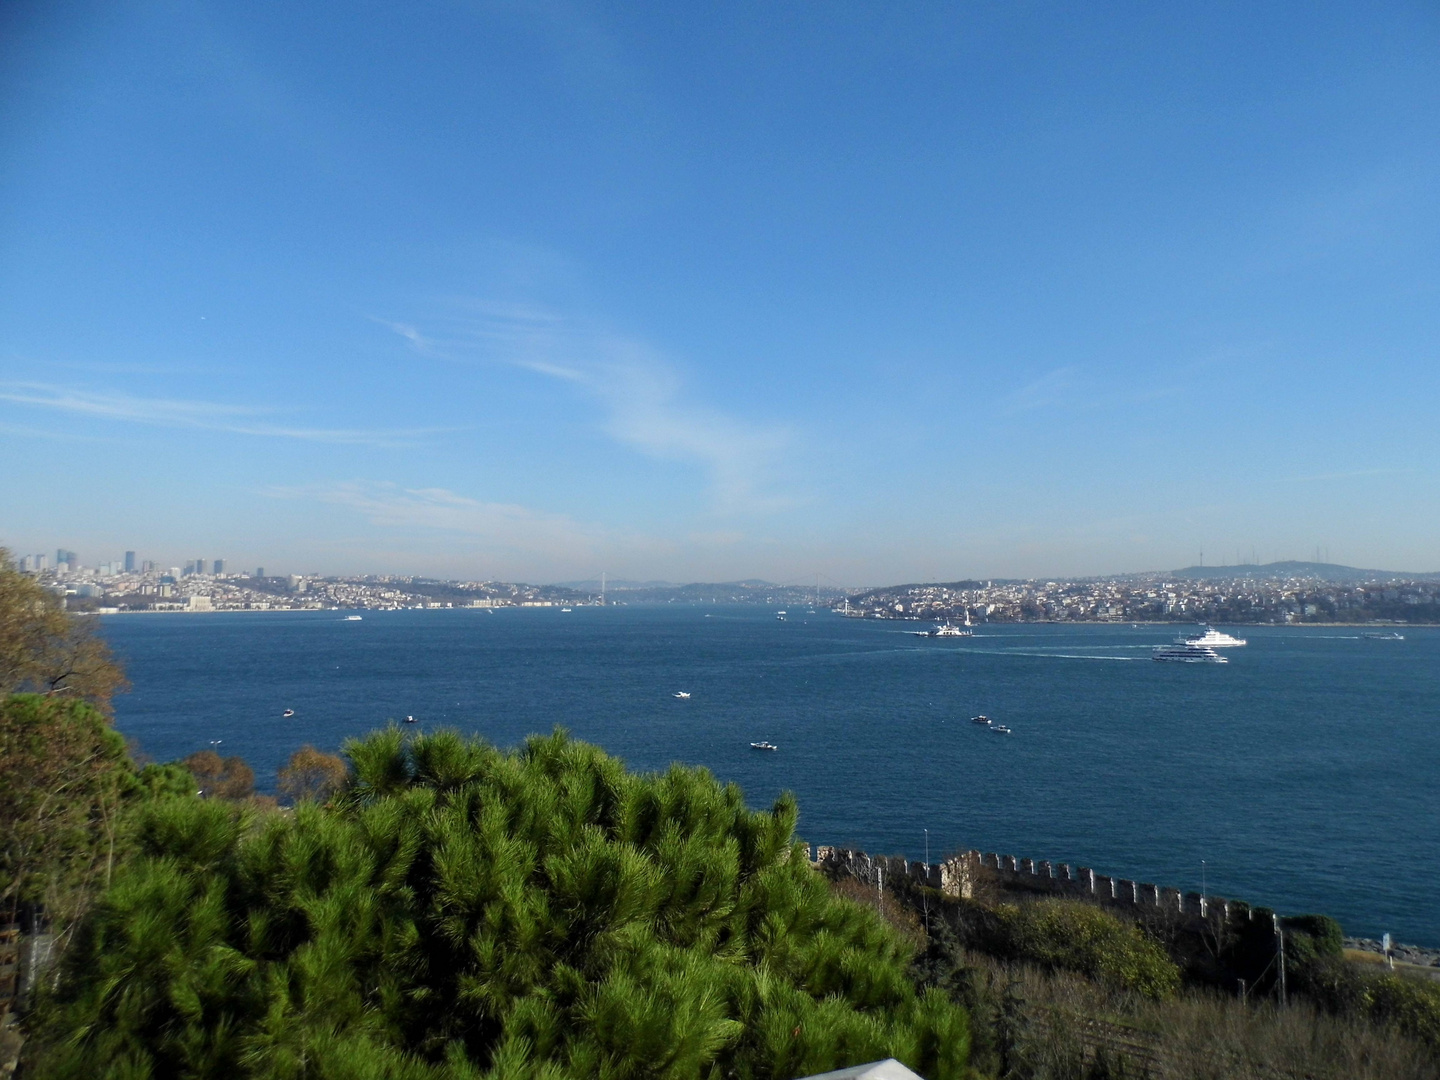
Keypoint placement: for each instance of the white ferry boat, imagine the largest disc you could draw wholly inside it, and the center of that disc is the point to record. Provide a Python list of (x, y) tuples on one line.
[(949, 629), (1392, 636), (945, 629), (1212, 639), (763, 745), (1183, 652)]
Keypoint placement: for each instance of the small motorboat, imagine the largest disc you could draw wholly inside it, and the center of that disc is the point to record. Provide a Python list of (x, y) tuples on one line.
[(1000, 729), (411, 720), (763, 745), (567, 609), (352, 618), (981, 719), (683, 695), (288, 713)]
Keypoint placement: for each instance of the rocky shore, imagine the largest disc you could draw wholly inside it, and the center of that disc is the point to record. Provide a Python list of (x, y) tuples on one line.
[(1409, 954)]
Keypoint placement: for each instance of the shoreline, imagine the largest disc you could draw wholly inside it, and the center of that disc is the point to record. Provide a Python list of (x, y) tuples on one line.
[(1394, 626)]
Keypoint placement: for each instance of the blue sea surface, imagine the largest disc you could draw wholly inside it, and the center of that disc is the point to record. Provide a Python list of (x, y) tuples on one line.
[(1305, 773)]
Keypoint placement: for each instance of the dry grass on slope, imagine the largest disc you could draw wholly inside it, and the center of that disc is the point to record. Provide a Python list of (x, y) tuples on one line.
[(1060, 1025)]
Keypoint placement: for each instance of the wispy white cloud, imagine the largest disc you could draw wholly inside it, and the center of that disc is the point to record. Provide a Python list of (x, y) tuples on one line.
[(178, 413), (1052, 388), (1344, 474), (645, 404), (1081, 390), (498, 528), (23, 431)]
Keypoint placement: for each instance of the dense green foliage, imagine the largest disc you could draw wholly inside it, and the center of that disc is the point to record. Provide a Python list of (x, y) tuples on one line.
[(45, 649), (64, 775), (1073, 936), (1309, 938), (1410, 1004), (1407, 1003), (459, 911), (69, 797), (1063, 935)]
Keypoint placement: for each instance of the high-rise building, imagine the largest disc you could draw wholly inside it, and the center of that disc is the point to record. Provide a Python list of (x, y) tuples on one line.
[(129, 562), (27, 563), (260, 571), (199, 566), (147, 567), (218, 567), (69, 558), (42, 561)]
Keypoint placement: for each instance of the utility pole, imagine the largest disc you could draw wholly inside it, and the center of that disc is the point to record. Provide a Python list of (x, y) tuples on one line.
[(926, 894), (1280, 937)]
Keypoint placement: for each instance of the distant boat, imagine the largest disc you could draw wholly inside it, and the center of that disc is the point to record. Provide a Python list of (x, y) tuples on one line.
[(945, 629), (411, 720), (981, 719), (288, 712), (763, 745), (567, 609), (1000, 729), (1391, 636), (683, 695), (1186, 653), (1212, 639), (780, 615), (352, 618)]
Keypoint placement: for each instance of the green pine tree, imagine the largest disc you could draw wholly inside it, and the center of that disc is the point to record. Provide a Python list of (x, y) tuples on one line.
[(459, 911)]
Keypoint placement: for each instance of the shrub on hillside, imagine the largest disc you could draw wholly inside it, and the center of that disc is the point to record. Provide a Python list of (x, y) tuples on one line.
[(1309, 938), (1408, 1004), (456, 910), (1073, 936)]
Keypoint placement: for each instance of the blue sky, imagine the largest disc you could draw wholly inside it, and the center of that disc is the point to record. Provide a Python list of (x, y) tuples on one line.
[(879, 292)]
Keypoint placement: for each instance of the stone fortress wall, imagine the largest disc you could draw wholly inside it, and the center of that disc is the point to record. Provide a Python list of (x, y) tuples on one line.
[(959, 875)]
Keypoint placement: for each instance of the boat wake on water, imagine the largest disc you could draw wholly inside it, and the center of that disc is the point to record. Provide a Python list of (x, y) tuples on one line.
[(1051, 655)]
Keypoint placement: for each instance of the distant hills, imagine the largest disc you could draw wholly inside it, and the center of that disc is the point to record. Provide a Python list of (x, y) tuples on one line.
[(757, 590), (626, 585), (1341, 575)]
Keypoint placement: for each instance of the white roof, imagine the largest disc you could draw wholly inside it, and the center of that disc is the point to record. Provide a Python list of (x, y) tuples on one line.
[(889, 1069)]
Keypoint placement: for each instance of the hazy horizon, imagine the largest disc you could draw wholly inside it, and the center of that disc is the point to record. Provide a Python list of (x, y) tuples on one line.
[(535, 291)]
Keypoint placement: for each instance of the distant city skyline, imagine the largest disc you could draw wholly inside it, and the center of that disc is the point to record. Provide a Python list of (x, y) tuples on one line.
[(130, 564), (536, 292)]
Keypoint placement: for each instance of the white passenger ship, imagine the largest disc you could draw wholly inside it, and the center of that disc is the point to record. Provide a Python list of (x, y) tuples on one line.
[(1212, 639), (1184, 652)]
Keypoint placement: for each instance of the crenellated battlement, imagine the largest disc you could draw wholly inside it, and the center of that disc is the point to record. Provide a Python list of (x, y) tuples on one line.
[(959, 875)]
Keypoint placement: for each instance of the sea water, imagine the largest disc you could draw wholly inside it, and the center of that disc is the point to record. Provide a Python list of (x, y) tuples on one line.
[(1303, 775)]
